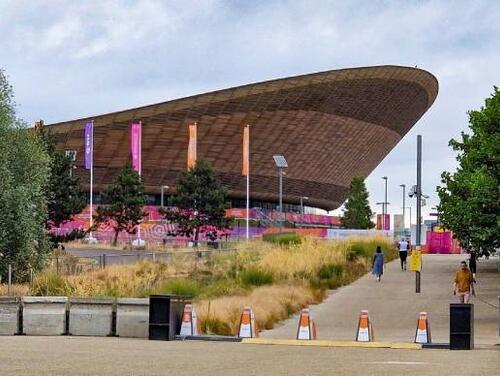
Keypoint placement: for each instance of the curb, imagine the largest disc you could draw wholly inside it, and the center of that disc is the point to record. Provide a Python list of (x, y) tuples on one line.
[(326, 343)]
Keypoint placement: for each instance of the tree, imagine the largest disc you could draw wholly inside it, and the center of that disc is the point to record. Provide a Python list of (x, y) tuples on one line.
[(357, 213), (24, 171), (199, 204), (64, 197), (124, 200), (470, 197)]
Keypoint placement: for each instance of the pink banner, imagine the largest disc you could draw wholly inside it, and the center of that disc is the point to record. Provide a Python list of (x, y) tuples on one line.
[(135, 145)]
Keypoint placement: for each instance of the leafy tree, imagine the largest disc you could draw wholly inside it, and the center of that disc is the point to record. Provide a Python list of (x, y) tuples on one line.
[(63, 192), (357, 213), (470, 197), (24, 171), (124, 200), (199, 204)]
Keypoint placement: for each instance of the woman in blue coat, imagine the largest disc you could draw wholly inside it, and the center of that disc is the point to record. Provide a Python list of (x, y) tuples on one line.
[(378, 263)]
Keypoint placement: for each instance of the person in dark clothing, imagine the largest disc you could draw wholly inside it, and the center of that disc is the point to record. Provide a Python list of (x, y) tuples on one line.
[(472, 263), (378, 263)]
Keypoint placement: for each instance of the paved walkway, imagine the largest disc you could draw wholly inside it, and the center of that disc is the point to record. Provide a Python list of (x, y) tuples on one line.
[(21, 355), (394, 306)]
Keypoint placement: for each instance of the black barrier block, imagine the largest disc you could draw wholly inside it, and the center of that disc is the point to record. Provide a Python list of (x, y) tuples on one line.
[(461, 326), (165, 315)]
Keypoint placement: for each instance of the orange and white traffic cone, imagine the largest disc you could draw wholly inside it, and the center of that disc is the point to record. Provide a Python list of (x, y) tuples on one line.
[(248, 327), (189, 326), (423, 333), (365, 330), (307, 327)]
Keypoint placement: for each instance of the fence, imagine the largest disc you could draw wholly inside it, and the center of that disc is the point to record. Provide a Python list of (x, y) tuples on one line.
[(71, 265)]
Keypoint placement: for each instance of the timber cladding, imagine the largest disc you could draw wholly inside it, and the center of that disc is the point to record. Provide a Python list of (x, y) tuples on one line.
[(330, 126)]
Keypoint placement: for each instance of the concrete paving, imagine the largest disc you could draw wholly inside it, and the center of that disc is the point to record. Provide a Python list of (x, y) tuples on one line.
[(121, 356), (394, 306)]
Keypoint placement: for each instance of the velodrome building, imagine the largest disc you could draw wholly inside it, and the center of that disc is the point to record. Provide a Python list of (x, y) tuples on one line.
[(331, 126)]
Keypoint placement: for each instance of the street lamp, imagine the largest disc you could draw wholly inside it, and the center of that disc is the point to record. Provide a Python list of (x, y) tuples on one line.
[(302, 203), (384, 205), (404, 192), (163, 187), (281, 163)]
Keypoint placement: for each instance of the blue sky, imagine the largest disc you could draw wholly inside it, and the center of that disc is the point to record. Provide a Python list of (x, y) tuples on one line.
[(68, 59)]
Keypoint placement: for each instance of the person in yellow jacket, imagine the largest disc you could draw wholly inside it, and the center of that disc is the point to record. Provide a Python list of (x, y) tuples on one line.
[(463, 286)]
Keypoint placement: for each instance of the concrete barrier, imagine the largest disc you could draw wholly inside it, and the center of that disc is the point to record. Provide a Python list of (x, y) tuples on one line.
[(9, 313), (132, 317), (91, 316), (44, 315)]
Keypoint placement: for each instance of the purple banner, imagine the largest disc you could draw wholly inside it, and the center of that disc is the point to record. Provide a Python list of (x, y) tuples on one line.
[(89, 144), (135, 145)]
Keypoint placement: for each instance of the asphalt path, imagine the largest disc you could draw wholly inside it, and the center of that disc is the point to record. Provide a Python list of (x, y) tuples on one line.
[(394, 306)]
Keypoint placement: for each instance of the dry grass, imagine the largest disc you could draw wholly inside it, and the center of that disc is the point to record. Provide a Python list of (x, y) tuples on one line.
[(224, 282), (16, 290), (269, 303)]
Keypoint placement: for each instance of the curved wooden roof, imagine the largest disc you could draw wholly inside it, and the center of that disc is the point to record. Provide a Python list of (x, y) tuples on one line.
[(331, 126)]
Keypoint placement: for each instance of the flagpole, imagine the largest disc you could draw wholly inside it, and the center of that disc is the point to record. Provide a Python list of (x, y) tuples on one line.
[(91, 179), (140, 174), (248, 184)]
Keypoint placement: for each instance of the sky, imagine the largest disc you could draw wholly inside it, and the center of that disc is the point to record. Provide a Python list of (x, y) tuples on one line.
[(70, 59)]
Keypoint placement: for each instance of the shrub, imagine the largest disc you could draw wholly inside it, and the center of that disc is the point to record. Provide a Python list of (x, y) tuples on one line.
[(51, 284), (182, 287), (283, 238), (223, 287), (256, 277), (328, 271)]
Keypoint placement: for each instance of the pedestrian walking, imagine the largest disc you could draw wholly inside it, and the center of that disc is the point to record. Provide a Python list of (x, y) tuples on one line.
[(378, 263), (472, 263), (463, 285), (403, 247)]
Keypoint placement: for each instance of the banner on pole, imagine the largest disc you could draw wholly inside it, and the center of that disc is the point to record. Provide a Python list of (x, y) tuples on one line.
[(191, 160), (135, 145), (89, 143), (246, 150)]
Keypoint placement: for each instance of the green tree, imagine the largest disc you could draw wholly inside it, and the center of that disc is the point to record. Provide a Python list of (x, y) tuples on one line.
[(357, 213), (24, 171), (64, 195), (124, 201), (470, 197), (199, 204)]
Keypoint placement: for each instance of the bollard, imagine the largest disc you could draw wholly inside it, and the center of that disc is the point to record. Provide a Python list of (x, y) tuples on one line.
[(104, 261), (461, 326)]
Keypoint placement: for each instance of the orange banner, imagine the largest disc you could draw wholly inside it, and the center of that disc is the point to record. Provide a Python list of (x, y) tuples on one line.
[(191, 159), (246, 150)]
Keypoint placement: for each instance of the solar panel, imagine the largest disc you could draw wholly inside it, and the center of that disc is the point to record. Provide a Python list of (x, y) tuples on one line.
[(280, 161)]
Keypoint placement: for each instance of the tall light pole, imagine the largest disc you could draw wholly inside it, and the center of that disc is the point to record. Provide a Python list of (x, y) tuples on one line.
[(404, 192), (384, 206), (281, 163), (419, 205), (163, 187), (302, 198)]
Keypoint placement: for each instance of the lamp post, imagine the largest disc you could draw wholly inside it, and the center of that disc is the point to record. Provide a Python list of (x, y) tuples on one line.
[(163, 187), (281, 163), (302, 198), (384, 205), (404, 192)]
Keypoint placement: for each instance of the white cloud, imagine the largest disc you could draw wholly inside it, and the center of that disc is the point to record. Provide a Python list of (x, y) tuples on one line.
[(68, 59)]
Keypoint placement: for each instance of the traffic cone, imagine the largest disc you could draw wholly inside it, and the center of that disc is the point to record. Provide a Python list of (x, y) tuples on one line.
[(423, 333), (248, 327), (365, 330), (189, 326), (307, 327)]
